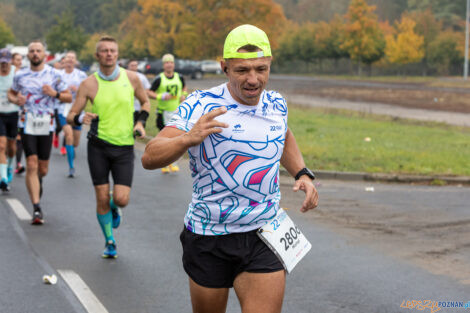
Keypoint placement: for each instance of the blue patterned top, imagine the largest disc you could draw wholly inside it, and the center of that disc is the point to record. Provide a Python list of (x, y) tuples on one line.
[(236, 172)]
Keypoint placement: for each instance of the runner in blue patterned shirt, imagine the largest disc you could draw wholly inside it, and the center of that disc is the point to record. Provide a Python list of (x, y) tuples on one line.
[(237, 137), (35, 88)]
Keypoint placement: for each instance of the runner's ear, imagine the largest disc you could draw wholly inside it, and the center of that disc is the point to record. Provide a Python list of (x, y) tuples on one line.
[(225, 70)]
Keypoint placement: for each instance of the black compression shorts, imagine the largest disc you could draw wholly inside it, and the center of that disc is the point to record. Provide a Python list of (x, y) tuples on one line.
[(215, 261), (9, 125), (104, 157), (37, 145)]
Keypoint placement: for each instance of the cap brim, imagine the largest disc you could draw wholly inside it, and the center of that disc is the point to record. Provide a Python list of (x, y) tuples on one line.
[(5, 60)]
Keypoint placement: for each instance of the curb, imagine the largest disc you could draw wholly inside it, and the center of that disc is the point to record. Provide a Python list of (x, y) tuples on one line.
[(381, 177), (390, 178)]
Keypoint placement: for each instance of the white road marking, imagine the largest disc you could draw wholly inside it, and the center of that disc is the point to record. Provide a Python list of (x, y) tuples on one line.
[(19, 209), (83, 292)]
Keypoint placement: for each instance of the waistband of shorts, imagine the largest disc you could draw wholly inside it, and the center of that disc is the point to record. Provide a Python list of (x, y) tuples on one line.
[(94, 140)]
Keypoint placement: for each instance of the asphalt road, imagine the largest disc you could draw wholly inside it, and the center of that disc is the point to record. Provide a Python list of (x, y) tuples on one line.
[(352, 267)]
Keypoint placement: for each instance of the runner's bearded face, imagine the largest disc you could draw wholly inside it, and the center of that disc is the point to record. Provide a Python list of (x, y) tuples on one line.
[(107, 54), (36, 54), (248, 78)]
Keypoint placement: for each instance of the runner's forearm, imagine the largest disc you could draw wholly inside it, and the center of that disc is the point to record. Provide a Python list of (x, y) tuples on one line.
[(162, 151), (292, 158)]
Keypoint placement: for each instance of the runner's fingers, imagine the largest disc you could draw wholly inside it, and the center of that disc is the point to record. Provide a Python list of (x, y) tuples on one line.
[(214, 113), (296, 186), (215, 123)]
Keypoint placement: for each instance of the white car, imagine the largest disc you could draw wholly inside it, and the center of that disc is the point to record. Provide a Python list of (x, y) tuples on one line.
[(211, 66)]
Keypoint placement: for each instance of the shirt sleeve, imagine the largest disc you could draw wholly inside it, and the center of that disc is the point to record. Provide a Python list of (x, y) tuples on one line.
[(83, 76), (60, 84), (156, 83), (188, 113), (145, 82)]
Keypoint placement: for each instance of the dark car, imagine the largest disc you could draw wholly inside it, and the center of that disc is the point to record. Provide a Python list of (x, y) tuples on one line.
[(185, 67)]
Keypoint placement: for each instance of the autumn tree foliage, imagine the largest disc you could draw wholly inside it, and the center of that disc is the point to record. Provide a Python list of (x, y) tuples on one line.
[(405, 45), (6, 35), (444, 52), (363, 38), (196, 28)]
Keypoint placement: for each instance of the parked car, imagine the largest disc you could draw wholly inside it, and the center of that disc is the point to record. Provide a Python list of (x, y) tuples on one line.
[(211, 66), (185, 67)]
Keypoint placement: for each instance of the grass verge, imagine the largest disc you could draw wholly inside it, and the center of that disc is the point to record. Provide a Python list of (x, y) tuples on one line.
[(336, 140)]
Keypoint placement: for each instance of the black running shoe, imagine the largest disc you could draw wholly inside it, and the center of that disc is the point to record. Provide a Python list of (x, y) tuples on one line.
[(4, 186), (37, 218)]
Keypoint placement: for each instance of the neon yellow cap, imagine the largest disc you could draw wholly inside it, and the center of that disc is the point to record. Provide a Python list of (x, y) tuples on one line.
[(168, 58), (246, 35)]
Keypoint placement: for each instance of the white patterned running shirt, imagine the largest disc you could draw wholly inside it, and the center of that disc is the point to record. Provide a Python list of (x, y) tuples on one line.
[(73, 78), (236, 172), (29, 83)]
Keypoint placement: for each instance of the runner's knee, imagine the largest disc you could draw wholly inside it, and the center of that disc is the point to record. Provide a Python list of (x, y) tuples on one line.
[(32, 163), (121, 200), (43, 169)]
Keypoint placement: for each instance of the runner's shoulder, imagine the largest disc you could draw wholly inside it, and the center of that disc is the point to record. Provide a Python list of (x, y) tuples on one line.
[(23, 72), (89, 83), (132, 75), (213, 95), (275, 98)]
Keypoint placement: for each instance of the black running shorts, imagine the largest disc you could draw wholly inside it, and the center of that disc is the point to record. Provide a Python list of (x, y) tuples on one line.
[(215, 261), (9, 125), (37, 145), (104, 157)]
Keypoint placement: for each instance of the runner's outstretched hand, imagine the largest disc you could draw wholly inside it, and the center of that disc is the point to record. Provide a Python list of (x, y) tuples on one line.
[(205, 126), (305, 184), (88, 117)]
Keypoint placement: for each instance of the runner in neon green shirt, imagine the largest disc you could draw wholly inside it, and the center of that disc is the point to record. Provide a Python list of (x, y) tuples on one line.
[(111, 137), (171, 91)]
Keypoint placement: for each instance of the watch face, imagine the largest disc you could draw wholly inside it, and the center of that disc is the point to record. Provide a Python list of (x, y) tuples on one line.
[(305, 171)]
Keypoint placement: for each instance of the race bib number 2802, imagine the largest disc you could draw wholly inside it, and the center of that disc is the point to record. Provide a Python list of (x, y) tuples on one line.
[(285, 239)]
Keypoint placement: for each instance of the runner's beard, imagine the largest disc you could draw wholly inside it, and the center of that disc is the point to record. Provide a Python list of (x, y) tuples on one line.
[(36, 63)]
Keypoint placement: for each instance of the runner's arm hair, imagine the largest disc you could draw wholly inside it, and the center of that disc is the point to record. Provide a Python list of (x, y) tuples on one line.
[(167, 147), (65, 96), (292, 158)]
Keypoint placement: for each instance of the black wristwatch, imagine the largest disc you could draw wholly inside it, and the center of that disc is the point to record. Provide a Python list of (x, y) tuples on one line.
[(57, 95), (305, 171)]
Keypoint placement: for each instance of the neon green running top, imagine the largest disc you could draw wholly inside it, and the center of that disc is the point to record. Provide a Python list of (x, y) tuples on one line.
[(114, 104), (174, 87)]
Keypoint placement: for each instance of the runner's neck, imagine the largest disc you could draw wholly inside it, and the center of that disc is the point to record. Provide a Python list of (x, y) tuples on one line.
[(37, 68)]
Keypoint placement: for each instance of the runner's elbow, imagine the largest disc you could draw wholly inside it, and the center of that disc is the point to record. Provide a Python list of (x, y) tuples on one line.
[(147, 162)]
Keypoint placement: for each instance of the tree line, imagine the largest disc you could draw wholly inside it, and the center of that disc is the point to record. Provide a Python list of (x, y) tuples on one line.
[(425, 32), (417, 37)]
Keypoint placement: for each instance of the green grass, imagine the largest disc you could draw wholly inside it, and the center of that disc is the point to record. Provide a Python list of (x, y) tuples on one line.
[(334, 140)]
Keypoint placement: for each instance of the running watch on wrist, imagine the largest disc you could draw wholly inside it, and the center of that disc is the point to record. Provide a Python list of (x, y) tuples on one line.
[(305, 171), (57, 95)]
